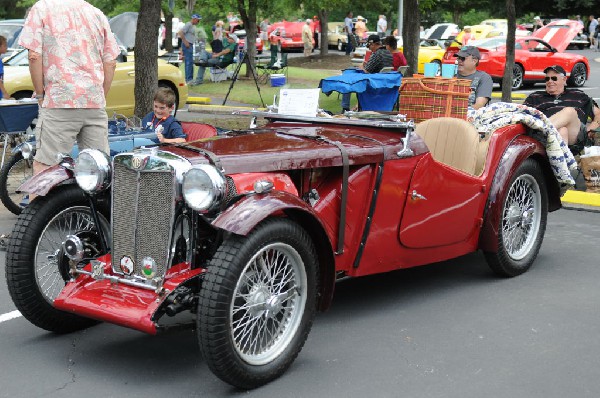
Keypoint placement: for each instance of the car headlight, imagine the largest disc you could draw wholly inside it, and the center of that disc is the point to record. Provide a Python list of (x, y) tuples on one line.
[(92, 170), (203, 188)]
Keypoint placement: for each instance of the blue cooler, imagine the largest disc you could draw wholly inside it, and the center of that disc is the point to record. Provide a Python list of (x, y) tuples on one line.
[(277, 80)]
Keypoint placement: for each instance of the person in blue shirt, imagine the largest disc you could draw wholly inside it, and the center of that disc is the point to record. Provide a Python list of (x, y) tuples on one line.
[(167, 128)]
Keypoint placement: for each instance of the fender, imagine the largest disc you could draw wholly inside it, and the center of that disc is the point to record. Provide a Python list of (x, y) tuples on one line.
[(42, 183), (245, 214), (520, 148)]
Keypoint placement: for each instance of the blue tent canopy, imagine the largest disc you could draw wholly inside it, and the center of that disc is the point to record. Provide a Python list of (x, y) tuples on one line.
[(375, 91)]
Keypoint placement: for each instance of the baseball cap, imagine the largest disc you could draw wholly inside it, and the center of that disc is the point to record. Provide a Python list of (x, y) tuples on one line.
[(373, 39), (233, 37), (557, 69), (196, 16), (468, 50)]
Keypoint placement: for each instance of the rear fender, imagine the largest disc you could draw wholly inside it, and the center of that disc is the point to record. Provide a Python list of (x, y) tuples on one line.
[(248, 212), (519, 149), (40, 184)]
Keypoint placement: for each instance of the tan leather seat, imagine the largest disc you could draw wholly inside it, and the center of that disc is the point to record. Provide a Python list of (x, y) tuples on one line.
[(451, 141)]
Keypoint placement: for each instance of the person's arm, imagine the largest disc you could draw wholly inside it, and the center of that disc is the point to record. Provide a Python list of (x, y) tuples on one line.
[(595, 123), (109, 73), (181, 34), (483, 92), (37, 75)]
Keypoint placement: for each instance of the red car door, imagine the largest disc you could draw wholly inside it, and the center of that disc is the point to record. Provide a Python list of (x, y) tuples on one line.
[(443, 206)]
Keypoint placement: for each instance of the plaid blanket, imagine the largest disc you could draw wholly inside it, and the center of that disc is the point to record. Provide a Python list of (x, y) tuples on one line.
[(499, 114)]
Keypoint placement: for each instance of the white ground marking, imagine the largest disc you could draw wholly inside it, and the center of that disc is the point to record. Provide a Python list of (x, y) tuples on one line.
[(10, 315)]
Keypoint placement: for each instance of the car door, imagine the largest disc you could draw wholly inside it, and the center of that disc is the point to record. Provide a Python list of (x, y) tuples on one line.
[(443, 206)]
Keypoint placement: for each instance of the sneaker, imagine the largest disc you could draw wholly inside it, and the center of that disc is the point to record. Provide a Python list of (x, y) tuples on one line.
[(196, 83)]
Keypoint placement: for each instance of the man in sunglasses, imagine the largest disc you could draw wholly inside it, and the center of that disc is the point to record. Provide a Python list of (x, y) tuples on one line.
[(481, 83), (567, 109)]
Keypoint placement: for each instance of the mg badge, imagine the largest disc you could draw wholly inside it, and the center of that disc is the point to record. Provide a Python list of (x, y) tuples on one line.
[(137, 162), (127, 265), (148, 267)]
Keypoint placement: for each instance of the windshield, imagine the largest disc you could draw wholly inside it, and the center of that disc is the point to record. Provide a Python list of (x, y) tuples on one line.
[(11, 32)]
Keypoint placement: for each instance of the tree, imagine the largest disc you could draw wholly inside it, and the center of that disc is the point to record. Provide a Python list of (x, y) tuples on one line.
[(247, 10), (323, 9), (510, 51), (146, 56), (410, 34)]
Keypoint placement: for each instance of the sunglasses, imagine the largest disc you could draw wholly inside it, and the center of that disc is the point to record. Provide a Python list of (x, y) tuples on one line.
[(461, 58), (553, 78)]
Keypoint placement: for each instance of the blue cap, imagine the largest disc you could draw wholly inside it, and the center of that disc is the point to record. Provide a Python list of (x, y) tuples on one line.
[(196, 16)]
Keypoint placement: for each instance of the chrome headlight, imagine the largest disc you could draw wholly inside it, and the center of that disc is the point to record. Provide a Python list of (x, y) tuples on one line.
[(92, 170), (26, 150), (203, 188)]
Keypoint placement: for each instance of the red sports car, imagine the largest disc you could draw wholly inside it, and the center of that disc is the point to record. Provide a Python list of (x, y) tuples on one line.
[(533, 54), (288, 35), (240, 32), (248, 232)]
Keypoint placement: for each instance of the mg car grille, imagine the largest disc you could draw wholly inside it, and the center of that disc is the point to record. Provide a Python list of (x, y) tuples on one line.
[(142, 215)]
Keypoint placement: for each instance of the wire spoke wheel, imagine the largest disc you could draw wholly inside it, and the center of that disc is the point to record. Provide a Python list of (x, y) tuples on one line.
[(521, 218), (268, 303)]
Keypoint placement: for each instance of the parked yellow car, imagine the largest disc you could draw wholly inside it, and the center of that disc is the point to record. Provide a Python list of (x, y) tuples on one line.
[(120, 98), (429, 52), (336, 37)]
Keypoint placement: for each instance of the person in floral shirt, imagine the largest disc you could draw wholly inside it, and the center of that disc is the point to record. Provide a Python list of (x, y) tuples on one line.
[(72, 61)]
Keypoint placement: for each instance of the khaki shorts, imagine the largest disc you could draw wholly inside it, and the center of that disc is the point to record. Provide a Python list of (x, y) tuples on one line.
[(58, 129)]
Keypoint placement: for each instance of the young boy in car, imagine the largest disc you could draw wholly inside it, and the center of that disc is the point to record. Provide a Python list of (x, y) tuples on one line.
[(167, 128)]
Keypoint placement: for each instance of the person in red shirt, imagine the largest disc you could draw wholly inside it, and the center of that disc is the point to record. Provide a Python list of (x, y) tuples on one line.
[(391, 44)]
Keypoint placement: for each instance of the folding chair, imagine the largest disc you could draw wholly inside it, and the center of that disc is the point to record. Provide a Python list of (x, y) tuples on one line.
[(221, 72), (277, 65)]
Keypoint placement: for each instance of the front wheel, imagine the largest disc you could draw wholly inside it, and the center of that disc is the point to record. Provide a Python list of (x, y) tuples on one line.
[(13, 174), (522, 223), (36, 267), (257, 303), (578, 75)]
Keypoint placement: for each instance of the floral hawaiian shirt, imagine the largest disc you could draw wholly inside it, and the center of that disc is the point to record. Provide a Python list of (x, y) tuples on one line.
[(74, 39)]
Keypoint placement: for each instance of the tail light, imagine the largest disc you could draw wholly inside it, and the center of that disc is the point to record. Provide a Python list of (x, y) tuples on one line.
[(449, 54)]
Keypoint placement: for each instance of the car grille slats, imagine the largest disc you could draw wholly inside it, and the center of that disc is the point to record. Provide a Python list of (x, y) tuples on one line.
[(142, 216)]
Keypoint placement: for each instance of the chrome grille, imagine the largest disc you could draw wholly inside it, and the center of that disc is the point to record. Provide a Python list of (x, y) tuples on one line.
[(142, 216)]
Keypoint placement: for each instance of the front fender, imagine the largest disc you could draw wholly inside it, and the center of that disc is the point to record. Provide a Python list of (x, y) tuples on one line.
[(519, 149), (40, 184), (245, 214)]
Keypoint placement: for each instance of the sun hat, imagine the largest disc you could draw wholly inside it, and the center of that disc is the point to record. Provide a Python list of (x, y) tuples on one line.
[(233, 37), (359, 18)]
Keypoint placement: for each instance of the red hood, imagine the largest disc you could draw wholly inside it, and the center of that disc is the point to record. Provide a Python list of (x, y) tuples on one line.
[(558, 33)]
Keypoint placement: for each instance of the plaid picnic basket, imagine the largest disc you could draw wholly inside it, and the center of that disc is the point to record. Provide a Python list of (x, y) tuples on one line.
[(427, 98)]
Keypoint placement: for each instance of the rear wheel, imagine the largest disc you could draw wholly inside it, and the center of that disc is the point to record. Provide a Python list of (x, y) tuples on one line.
[(517, 78), (578, 75), (522, 223), (257, 303), (36, 266), (13, 174)]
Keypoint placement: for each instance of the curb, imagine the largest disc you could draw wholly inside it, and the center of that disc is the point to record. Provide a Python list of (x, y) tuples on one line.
[(198, 100), (579, 198)]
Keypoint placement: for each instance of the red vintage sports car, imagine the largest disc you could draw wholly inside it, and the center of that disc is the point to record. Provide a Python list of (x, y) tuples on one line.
[(287, 36), (533, 54), (249, 231)]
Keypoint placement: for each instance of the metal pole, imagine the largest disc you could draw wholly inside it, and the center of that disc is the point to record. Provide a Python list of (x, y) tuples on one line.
[(400, 16)]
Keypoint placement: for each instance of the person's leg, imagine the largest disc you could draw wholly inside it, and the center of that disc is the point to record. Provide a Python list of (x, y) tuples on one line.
[(93, 132), (567, 123), (188, 54), (346, 102), (349, 45)]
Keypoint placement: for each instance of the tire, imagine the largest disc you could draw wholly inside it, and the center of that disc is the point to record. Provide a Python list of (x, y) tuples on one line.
[(517, 78), (522, 223), (340, 45), (578, 75), (34, 253), (13, 174), (236, 278)]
